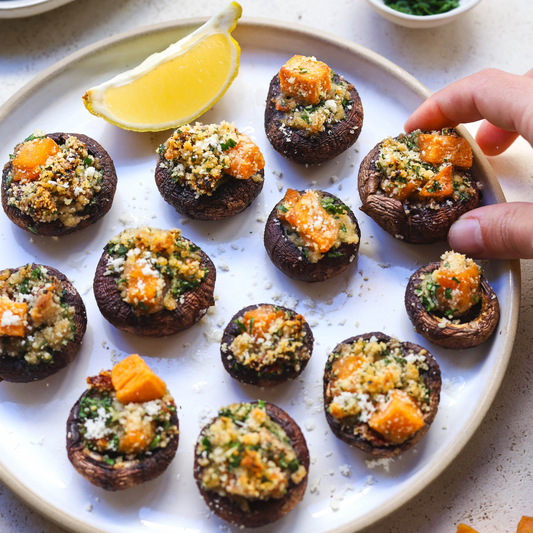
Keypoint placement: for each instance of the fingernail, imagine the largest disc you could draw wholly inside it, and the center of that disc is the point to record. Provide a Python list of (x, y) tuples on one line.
[(465, 236)]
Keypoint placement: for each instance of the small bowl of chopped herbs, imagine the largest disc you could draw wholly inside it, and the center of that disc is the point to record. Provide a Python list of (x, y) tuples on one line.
[(422, 13)]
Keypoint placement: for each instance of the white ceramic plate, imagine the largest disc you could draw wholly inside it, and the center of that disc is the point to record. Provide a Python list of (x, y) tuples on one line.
[(367, 297), (28, 8)]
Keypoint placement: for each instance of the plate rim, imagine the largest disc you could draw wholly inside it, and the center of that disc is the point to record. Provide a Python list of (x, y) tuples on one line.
[(59, 516), (28, 8)]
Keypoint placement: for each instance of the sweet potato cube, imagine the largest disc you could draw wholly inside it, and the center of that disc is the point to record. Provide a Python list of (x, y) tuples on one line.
[(142, 287), (463, 528), (525, 525), (397, 419), (305, 78), (290, 199), (440, 186), (12, 318), (262, 320), (436, 149), (401, 193), (135, 441), (245, 159), (315, 226), (31, 155), (344, 367), (464, 284), (135, 382)]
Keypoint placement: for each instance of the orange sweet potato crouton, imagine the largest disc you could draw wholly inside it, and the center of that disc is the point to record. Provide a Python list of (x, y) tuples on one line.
[(305, 78), (435, 149), (525, 525), (31, 155), (262, 320), (315, 226), (245, 158), (463, 528), (12, 318), (440, 186), (134, 381), (398, 419)]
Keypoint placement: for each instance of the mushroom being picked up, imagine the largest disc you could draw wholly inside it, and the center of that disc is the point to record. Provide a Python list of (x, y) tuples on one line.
[(416, 185)]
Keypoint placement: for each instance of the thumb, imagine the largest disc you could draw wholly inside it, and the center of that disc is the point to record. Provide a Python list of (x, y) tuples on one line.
[(501, 231)]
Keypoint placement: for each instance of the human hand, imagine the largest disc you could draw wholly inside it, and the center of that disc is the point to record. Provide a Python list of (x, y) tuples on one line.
[(505, 101)]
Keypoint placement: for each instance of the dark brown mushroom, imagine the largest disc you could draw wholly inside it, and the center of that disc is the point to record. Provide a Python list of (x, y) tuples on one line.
[(360, 434), (101, 204), (17, 370), (297, 145), (403, 220), (193, 304), (294, 263), (270, 376), (475, 327), (230, 198), (261, 512), (92, 466)]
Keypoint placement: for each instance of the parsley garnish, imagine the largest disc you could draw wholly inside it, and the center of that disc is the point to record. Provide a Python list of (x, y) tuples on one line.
[(230, 143), (334, 254), (242, 327), (448, 294)]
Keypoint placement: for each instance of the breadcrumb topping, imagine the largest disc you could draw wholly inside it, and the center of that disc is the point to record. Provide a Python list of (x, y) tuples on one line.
[(316, 224), (452, 289), (407, 176), (246, 456), (64, 187), (115, 432), (270, 340), (200, 156), (156, 267), (366, 372), (311, 98), (47, 322)]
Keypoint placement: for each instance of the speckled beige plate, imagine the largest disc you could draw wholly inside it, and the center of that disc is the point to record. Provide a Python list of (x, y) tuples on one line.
[(366, 297), (27, 8)]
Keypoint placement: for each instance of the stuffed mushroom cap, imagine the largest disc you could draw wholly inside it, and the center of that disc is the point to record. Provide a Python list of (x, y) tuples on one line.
[(58, 183), (266, 344), (139, 288), (215, 187), (384, 421), (123, 430), (312, 115), (299, 255), (450, 330), (38, 304), (292, 466), (412, 199)]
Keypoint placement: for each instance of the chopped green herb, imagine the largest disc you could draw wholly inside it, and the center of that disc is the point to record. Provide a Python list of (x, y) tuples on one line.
[(294, 465), (448, 294), (155, 442), (282, 208), (242, 327), (422, 7), (334, 254), (230, 143)]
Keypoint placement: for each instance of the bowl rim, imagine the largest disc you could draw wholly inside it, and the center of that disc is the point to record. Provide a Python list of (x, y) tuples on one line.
[(463, 7)]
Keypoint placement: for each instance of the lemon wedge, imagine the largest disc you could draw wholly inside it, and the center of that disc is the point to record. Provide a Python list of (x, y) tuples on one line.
[(173, 87)]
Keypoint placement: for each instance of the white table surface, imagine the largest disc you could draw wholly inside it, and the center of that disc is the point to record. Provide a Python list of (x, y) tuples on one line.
[(490, 484)]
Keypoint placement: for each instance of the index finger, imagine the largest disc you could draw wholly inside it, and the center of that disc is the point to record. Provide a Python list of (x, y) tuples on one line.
[(505, 100)]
